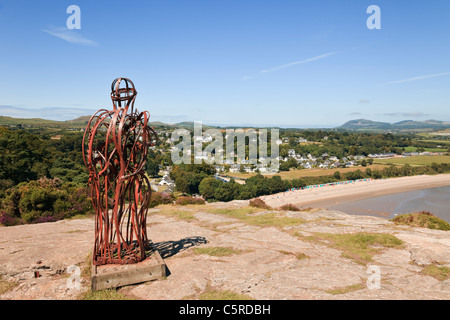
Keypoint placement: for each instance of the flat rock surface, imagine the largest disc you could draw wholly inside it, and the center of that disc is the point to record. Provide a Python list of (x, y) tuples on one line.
[(267, 262)]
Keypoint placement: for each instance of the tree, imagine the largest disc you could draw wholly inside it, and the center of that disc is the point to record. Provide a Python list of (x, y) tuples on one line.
[(227, 191), (337, 175), (19, 151), (436, 167), (297, 183), (246, 192), (420, 149), (182, 184), (66, 170), (358, 174), (276, 184), (350, 175), (376, 174), (188, 177), (207, 187), (287, 165), (152, 168)]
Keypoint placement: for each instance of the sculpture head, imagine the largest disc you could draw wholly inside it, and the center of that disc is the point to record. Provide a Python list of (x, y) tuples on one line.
[(123, 93)]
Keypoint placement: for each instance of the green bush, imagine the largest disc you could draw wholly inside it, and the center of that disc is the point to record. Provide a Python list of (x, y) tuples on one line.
[(45, 200), (422, 219)]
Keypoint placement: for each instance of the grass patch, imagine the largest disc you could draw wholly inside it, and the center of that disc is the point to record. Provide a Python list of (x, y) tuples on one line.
[(223, 295), (415, 160), (76, 231), (298, 256), (347, 289), (174, 211), (235, 213), (301, 256), (250, 216), (360, 247), (414, 149), (6, 286), (217, 251), (86, 267), (440, 273), (422, 219), (110, 294)]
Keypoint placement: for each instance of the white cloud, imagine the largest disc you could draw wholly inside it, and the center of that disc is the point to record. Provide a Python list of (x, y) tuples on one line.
[(291, 64), (419, 78), (72, 36)]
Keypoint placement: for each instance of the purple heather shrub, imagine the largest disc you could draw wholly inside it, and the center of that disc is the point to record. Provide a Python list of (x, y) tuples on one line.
[(7, 220)]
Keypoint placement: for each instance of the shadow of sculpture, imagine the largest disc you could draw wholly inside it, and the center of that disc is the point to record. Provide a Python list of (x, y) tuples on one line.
[(169, 248)]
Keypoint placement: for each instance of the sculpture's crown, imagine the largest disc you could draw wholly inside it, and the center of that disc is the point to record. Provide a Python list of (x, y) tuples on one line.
[(122, 89)]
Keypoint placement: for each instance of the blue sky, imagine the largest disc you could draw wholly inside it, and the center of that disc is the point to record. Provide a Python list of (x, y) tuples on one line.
[(284, 63)]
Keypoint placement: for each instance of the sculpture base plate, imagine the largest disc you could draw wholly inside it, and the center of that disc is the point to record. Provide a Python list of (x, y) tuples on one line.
[(111, 276)]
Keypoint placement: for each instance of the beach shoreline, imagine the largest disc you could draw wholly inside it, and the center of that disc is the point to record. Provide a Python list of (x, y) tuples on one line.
[(320, 197)]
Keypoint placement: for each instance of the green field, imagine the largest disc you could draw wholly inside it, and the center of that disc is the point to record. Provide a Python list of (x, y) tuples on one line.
[(415, 161), (414, 149), (441, 142)]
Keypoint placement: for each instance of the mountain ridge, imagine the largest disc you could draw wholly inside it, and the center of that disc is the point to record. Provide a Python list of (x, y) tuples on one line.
[(352, 125), (365, 124)]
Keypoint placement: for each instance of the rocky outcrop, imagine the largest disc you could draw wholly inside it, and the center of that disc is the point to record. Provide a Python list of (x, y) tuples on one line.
[(268, 262)]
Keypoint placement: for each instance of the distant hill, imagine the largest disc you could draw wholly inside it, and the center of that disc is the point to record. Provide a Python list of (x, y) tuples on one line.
[(84, 119), (405, 125), (78, 123), (363, 124), (37, 123), (354, 125)]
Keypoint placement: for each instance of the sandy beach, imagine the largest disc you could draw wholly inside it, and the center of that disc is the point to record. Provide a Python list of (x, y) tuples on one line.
[(335, 194)]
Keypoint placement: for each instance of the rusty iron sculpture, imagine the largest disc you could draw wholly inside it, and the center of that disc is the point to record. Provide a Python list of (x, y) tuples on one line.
[(115, 145)]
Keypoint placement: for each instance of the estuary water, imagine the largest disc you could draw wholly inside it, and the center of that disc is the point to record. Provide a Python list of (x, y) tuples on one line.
[(434, 200)]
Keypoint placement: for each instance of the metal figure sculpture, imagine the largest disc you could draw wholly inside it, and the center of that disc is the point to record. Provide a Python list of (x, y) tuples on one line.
[(115, 145)]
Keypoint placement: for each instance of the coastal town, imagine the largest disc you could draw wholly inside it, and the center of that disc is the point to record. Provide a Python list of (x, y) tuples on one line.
[(290, 158)]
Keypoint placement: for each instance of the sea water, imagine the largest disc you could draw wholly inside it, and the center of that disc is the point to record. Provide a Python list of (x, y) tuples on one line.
[(434, 200)]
